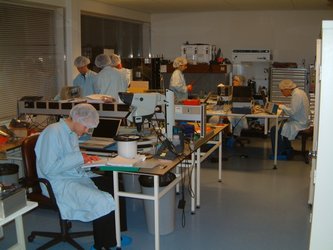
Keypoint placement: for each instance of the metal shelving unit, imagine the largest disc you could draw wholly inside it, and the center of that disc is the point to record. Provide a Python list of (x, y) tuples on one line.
[(297, 75)]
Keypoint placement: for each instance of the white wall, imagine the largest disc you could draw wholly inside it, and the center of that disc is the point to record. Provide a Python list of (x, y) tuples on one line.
[(322, 219), (291, 35)]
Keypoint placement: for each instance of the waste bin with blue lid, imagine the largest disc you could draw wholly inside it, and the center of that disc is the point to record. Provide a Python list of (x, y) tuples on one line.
[(8, 173), (167, 203)]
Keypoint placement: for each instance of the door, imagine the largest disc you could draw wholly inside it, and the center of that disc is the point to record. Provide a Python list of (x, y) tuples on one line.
[(322, 214)]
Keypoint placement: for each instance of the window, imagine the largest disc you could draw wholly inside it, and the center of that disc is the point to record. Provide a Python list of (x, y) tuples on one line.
[(128, 39), (29, 55)]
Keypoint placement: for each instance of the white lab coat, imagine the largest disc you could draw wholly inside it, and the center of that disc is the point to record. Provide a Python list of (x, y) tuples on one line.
[(111, 82), (178, 85), (59, 160), (298, 113), (87, 83)]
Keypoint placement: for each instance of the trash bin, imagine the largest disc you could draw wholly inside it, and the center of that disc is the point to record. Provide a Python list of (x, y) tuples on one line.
[(8, 173), (127, 147), (167, 203), (132, 185)]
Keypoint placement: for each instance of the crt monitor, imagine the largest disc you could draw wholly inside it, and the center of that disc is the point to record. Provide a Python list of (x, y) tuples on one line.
[(241, 93)]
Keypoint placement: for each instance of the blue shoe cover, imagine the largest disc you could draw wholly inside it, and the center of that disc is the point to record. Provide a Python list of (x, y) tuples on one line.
[(125, 240)]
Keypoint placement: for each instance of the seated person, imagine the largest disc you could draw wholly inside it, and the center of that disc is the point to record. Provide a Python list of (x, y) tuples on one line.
[(80, 195), (298, 112), (238, 123)]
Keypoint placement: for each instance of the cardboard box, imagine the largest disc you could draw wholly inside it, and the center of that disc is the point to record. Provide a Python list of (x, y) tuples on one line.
[(138, 86)]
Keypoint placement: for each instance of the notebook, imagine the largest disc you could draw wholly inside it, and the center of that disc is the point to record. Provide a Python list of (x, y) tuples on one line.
[(271, 108), (103, 135)]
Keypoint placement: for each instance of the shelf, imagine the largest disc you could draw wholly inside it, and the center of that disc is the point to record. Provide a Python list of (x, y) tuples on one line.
[(202, 68)]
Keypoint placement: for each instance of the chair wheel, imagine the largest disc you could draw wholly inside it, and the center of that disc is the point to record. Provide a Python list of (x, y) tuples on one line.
[(31, 238)]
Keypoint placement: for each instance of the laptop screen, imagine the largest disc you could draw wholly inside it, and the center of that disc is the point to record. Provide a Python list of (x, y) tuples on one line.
[(107, 128)]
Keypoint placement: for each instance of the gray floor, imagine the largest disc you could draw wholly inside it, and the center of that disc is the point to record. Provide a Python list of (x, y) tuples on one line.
[(253, 208)]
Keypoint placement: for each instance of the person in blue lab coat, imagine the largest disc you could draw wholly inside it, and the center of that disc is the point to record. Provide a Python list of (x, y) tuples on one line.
[(116, 63), (177, 80), (86, 79), (78, 192), (109, 80), (298, 117)]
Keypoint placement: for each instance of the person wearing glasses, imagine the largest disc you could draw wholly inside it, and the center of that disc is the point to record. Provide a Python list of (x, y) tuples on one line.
[(81, 195), (298, 117)]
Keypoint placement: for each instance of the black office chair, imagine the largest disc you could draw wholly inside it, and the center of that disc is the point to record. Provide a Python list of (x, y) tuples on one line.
[(34, 193)]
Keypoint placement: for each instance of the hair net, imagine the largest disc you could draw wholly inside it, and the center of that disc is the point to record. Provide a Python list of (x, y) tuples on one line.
[(102, 60), (81, 61), (179, 61), (287, 84), (115, 60), (85, 114)]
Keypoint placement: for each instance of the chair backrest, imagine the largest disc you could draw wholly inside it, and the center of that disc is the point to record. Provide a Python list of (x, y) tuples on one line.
[(29, 161), (32, 182)]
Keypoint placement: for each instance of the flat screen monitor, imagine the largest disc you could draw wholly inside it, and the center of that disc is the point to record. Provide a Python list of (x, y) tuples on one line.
[(242, 91)]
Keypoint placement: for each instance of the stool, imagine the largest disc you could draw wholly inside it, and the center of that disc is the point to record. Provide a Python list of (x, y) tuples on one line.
[(305, 134)]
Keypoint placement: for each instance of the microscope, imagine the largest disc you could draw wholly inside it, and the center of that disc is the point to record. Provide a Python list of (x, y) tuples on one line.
[(142, 106)]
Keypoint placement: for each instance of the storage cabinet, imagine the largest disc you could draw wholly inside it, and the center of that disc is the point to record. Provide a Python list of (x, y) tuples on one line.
[(206, 77), (203, 68)]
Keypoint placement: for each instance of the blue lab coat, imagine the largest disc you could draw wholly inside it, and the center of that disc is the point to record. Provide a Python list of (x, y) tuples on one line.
[(87, 83), (111, 82), (59, 160)]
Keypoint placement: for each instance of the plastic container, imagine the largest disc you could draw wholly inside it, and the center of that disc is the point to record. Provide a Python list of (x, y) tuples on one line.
[(127, 145), (167, 203), (8, 173)]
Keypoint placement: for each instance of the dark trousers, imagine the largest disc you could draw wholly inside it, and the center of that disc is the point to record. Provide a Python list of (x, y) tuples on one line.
[(284, 145), (104, 227)]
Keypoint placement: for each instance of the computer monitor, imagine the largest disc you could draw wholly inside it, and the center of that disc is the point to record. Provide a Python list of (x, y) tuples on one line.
[(241, 94)]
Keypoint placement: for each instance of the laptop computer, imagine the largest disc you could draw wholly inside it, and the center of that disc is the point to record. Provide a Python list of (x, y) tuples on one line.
[(271, 108), (103, 135)]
